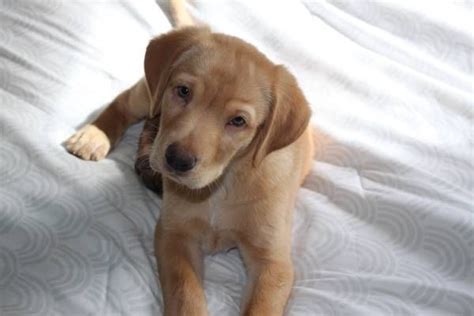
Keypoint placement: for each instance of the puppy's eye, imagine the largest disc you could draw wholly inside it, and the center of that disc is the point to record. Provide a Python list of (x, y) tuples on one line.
[(237, 121), (183, 92)]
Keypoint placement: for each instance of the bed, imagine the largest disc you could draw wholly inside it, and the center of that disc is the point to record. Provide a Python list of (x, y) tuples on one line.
[(383, 224)]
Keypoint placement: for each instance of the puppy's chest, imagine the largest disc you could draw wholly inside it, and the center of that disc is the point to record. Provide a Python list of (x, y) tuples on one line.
[(221, 231)]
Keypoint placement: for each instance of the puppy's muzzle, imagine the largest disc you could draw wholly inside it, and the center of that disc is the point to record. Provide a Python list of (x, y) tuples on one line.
[(177, 159)]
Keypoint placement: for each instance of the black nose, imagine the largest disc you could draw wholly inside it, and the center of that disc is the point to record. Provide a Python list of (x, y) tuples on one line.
[(178, 159)]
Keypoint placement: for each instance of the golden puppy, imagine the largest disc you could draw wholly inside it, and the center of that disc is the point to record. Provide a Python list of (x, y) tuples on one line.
[(232, 147)]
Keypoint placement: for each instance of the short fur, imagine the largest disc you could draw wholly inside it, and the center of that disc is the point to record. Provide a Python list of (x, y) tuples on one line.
[(242, 191)]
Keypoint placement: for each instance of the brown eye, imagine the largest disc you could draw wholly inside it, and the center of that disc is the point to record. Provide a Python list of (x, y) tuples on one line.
[(237, 121), (183, 92)]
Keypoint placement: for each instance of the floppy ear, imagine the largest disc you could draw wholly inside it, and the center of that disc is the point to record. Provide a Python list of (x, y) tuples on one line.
[(287, 119), (160, 55)]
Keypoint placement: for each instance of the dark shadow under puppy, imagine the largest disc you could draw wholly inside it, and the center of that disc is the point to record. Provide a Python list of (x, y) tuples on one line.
[(150, 178)]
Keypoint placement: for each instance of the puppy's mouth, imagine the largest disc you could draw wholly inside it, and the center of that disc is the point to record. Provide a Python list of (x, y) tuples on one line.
[(174, 174), (190, 179), (168, 172)]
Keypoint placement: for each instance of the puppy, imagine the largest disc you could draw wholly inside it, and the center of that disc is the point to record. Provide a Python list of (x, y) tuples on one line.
[(232, 147)]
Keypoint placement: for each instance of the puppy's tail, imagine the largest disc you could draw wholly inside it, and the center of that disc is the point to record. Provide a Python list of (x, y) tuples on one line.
[(180, 14)]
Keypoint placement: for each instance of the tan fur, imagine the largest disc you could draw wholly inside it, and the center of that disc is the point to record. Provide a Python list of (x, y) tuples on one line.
[(181, 16), (242, 191)]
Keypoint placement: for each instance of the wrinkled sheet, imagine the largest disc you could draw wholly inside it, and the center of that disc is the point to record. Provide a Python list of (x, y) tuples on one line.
[(383, 224)]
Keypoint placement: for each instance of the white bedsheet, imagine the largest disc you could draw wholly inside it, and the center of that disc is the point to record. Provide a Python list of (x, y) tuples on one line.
[(383, 225)]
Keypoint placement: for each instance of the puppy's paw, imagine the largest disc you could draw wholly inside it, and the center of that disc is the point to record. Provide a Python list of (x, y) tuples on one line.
[(89, 143)]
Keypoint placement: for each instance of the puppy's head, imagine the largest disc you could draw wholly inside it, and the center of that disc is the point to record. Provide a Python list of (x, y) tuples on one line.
[(219, 99)]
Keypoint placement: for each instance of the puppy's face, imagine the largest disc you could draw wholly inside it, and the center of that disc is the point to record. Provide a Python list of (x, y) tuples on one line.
[(210, 110), (213, 96)]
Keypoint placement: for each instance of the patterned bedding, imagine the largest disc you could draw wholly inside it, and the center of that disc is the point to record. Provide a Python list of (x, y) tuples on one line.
[(383, 224)]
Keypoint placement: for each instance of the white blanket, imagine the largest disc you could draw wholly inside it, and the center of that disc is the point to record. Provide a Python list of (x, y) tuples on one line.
[(383, 225)]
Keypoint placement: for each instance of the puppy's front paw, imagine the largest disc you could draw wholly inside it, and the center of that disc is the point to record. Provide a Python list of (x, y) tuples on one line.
[(89, 143)]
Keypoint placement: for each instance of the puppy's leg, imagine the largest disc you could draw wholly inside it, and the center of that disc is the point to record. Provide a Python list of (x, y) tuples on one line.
[(270, 279), (180, 267), (94, 141)]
